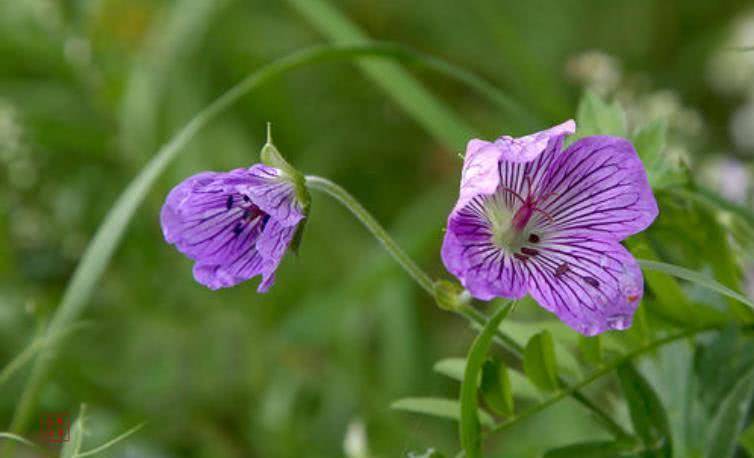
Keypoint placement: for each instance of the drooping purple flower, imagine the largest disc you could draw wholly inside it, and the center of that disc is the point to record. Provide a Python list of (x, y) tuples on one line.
[(235, 225), (534, 217)]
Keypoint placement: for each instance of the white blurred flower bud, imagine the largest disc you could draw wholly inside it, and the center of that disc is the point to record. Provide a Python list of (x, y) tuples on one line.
[(595, 70), (355, 440), (729, 177)]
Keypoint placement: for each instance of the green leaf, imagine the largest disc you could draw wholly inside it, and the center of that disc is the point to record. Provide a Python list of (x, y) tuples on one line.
[(596, 117), (648, 415), (591, 349), (730, 418), (694, 277), (438, 407), (596, 449), (469, 424), (521, 386), (496, 387), (539, 361)]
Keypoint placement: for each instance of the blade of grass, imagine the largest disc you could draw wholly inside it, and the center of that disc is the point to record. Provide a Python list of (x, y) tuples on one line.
[(19, 439), (695, 277)]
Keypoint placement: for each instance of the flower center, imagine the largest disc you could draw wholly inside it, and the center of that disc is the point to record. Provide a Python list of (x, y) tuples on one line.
[(507, 227)]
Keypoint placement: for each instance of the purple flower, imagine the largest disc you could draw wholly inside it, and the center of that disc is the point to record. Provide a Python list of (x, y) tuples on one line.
[(534, 217), (235, 225)]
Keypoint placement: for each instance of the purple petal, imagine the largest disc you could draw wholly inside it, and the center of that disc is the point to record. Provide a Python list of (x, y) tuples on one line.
[(525, 149), (591, 285), (479, 175), (204, 219), (274, 241), (469, 253), (273, 192), (244, 266), (599, 186)]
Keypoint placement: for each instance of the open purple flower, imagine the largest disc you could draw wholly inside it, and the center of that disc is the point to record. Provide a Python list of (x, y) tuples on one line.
[(235, 225), (534, 217)]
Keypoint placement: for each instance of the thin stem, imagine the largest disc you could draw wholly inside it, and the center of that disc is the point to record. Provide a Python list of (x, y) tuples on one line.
[(374, 227), (471, 314), (569, 391)]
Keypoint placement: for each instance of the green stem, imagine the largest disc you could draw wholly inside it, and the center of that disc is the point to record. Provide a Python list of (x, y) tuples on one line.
[(569, 391), (474, 316), (374, 227)]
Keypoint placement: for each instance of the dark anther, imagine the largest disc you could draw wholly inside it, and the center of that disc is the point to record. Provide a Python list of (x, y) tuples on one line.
[(592, 281), (533, 238), (520, 257), (246, 198), (229, 202), (238, 229), (246, 214), (529, 251), (561, 270)]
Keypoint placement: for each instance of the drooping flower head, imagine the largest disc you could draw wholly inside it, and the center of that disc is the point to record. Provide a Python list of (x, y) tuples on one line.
[(235, 225), (535, 217)]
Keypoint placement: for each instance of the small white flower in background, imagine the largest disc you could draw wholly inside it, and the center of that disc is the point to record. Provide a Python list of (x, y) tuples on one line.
[(728, 176), (595, 70), (729, 71), (355, 440)]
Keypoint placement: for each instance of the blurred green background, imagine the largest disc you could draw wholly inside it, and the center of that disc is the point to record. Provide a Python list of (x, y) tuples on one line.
[(90, 89)]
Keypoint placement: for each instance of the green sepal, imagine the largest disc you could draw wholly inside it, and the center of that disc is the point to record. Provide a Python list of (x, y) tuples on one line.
[(270, 156)]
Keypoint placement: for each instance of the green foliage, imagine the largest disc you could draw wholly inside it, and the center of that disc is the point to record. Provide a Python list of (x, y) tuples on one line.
[(597, 117), (539, 361), (496, 387), (469, 424), (729, 420), (597, 449), (648, 415), (438, 407)]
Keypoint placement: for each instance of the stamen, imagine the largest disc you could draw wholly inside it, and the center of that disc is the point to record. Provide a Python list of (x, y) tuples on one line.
[(238, 229), (533, 238), (523, 202), (229, 202), (592, 281), (246, 198), (246, 214), (520, 257), (529, 251), (547, 215)]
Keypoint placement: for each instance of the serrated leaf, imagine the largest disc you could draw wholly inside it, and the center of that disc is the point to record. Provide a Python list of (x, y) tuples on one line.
[(496, 387), (730, 417), (596, 117), (438, 407), (596, 449), (539, 361), (648, 416), (469, 424), (591, 349)]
